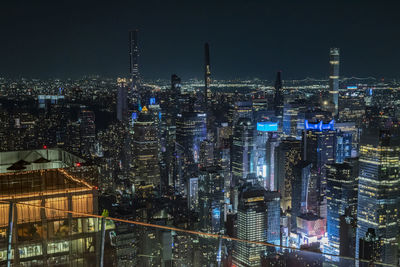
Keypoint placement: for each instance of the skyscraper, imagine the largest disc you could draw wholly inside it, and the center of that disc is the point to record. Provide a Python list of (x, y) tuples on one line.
[(258, 220), (278, 98), (170, 109), (341, 194), (242, 149), (334, 79), (379, 189), (146, 149), (134, 57), (190, 132), (122, 99), (288, 156), (88, 131), (207, 73), (318, 148), (211, 199)]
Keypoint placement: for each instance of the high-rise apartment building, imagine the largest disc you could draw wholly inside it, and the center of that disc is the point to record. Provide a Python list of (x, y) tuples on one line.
[(207, 74), (334, 55), (278, 98), (134, 58)]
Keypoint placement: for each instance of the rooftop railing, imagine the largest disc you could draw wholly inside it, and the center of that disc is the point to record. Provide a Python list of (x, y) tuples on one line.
[(49, 236)]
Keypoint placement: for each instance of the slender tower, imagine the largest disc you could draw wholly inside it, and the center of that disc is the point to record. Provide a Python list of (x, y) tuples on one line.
[(134, 59), (278, 99), (207, 74), (334, 79)]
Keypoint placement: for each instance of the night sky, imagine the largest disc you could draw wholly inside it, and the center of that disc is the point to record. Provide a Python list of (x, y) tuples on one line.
[(41, 39)]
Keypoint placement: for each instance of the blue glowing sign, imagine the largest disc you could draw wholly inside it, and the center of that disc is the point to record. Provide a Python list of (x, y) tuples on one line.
[(134, 116), (216, 213), (152, 101), (370, 91), (319, 126), (352, 87), (267, 126)]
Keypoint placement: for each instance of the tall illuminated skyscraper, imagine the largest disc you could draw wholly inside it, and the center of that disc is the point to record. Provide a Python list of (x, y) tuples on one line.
[(379, 189), (134, 58), (278, 98), (146, 149), (242, 149), (207, 73), (341, 194), (191, 131), (318, 148), (122, 99), (258, 220), (334, 79), (288, 156)]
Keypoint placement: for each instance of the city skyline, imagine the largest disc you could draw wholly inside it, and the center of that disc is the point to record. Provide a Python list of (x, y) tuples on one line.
[(140, 170), (246, 39)]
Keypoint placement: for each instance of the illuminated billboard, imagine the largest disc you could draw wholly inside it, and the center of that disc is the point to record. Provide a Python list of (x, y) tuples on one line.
[(267, 126)]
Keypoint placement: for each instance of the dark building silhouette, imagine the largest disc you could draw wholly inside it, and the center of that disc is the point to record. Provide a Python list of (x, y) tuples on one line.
[(369, 248), (347, 235)]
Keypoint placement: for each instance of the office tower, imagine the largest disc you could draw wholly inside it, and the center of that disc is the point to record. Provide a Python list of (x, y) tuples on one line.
[(271, 182), (257, 220), (319, 149), (122, 99), (264, 146), (341, 195), (290, 119), (288, 156), (207, 74), (190, 132), (134, 59), (211, 199), (378, 189), (146, 149), (87, 131), (242, 149), (370, 248), (170, 109), (334, 80), (44, 237), (300, 191), (278, 98)]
